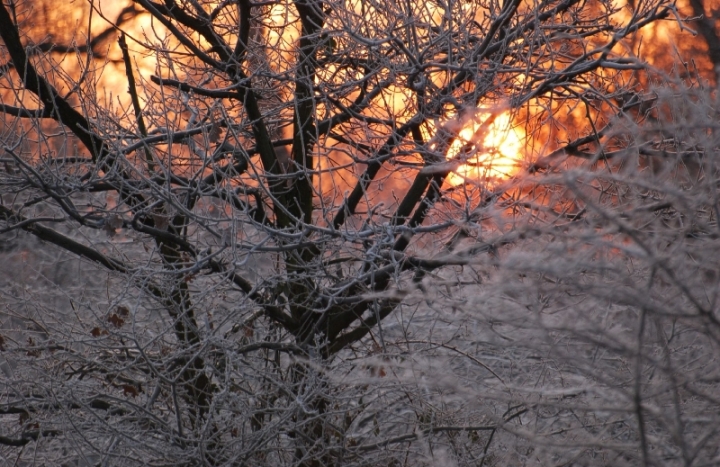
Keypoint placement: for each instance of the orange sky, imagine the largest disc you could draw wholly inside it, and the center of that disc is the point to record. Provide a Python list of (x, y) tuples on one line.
[(72, 23)]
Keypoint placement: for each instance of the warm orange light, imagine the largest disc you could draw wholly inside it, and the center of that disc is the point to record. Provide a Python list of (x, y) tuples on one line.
[(486, 149)]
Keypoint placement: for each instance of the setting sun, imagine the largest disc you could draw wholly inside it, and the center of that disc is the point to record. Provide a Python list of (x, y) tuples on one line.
[(486, 149)]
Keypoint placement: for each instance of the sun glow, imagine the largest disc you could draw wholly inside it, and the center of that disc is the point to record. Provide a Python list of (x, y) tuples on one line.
[(488, 148)]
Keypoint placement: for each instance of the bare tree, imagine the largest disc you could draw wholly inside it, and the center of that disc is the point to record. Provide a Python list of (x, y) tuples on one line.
[(300, 247)]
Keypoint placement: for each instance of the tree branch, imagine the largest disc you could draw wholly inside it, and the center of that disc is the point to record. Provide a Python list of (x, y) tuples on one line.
[(55, 105)]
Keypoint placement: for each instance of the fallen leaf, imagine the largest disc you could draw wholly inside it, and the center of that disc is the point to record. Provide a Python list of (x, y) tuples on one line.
[(97, 332), (115, 320), (130, 390), (214, 133)]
